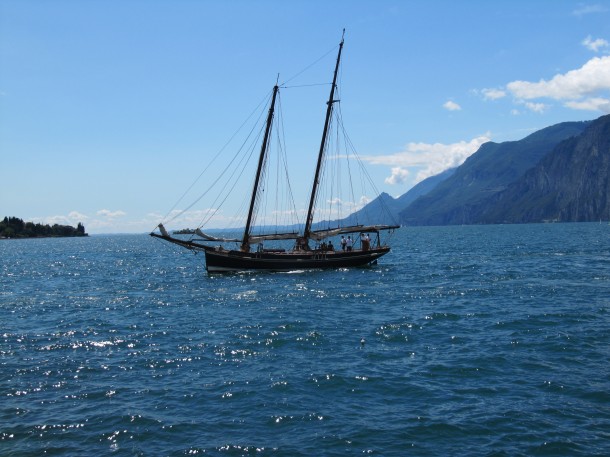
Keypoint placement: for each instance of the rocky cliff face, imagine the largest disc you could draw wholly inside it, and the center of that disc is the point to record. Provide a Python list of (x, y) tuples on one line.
[(570, 184)]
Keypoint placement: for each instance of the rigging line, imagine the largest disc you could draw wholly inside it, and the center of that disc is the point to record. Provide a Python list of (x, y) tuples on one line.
[(334, 175), (218, 179), (277, 138), (278, 206), (348, 146), (309, 66), (239, 150), (284, 157), (367, 175), (323, 167), (243, 163), (360, 161), (338, 168), (306, 85), (211, 162), (339, 179), (260, 198), (212, 185), (334, 147), (336, 195), (209, 216)]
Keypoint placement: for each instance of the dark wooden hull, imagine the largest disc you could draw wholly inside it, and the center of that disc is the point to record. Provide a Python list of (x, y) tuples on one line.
[(225, 261)]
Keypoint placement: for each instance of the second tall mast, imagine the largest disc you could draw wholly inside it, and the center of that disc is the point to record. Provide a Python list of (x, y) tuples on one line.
[(329, 110)]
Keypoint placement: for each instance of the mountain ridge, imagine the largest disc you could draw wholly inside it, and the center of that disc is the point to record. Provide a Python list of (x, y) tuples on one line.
[(460, 198)]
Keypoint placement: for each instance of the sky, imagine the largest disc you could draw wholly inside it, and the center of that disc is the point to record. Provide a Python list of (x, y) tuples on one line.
[(110, 109)]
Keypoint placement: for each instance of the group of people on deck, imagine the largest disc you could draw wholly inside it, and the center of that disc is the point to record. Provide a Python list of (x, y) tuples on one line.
[(347, 244)]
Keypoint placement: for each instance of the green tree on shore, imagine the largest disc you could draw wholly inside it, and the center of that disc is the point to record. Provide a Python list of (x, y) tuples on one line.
[(14, 227)]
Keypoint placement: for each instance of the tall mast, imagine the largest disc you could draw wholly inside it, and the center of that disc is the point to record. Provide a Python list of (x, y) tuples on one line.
[(245, 243), (329, 110)]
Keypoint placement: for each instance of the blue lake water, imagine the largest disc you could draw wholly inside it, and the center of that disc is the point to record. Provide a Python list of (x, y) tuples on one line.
[(480, 340)]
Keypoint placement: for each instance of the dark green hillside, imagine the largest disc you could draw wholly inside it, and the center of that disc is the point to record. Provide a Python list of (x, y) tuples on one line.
[(13, 227)]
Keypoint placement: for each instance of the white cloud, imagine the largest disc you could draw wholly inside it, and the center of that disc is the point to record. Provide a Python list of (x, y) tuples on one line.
[(591, 78), (594, 45), (591, 104), (364, 200), (111, 214), (587, 87), (76, 216), (398, 176), (335, 201), (452, 106), (493, 94), (428, 159)]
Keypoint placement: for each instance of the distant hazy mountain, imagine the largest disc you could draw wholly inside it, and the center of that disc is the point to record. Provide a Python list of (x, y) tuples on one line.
[(381, 210), (469, 193), (385, 209), (423, 188)]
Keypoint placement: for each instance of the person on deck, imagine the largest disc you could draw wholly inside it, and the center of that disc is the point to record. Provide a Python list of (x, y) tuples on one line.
[(343, 243), (349, 243), (364, 239)]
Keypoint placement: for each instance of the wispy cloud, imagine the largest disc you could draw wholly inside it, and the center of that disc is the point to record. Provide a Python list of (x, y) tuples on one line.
[(428, 159), (591, 104), (589, 9), (535, 107), (111, 214), (594, 45), (451, 106), (493, 94), (211, 217), (75, 215), (72, 218), (103, 221)]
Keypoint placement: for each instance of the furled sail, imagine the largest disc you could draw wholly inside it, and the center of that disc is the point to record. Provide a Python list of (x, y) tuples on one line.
[(163, 230), (322, 234), (207, 237), (277, 236)]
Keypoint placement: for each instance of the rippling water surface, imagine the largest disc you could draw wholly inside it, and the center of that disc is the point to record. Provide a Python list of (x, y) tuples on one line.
[(490, 340)]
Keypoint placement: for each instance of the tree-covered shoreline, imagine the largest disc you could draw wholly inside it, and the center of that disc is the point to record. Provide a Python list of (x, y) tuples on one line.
[(13, 227)]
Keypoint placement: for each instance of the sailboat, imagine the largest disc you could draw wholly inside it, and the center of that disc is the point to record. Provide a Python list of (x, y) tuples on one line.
[(311, 246)]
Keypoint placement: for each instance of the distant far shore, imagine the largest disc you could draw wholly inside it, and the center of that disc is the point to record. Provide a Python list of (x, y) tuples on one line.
[(16, 228), (23, 237)]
